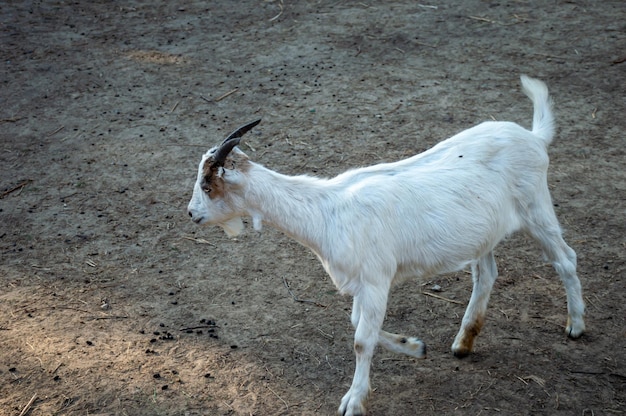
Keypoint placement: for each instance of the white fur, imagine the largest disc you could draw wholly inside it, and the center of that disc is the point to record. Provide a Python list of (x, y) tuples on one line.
[(435, 212)]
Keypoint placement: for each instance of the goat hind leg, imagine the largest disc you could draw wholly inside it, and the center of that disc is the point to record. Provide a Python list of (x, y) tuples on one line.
[(547, 233), (401, 344), (484, 273), (404, 345)]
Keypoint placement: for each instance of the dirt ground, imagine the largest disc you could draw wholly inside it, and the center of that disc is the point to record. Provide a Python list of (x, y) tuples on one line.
[(114, 303)]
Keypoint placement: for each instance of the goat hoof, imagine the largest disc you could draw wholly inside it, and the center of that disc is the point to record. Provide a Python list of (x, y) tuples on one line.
[(461, 353), (351, 405), (414, 347), (575, 328), (574, 334)]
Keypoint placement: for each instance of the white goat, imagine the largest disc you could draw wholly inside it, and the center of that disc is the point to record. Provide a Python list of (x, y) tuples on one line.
[(435, 212)]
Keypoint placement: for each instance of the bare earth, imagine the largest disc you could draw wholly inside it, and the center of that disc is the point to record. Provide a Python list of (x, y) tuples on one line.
[(114, 303)]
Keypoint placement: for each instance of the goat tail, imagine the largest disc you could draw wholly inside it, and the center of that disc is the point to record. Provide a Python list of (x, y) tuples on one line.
[(543, 120)]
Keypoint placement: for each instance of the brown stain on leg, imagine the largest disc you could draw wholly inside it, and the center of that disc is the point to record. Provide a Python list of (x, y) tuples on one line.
[(470, 333)]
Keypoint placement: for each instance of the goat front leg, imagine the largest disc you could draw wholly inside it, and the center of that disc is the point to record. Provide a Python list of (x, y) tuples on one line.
[(368, 313), (484, 273)]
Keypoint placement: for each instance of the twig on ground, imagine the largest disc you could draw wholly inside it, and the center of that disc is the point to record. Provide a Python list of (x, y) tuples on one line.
[(98, 318), (56, 368), (28, 405), (482, 19), (280, 398), (442, 298), (250, 146), (49, 307), (11, 120), (395, 108), (495, 22), (175, 105), (592, 373), (298, 299), (199, 240), (221, 97), (15, 188), (325, 334), (280, 4), (425, 44), (56, 131)]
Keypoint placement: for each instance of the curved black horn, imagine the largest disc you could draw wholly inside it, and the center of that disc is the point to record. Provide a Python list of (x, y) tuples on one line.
[(241, 130), (230, 142)]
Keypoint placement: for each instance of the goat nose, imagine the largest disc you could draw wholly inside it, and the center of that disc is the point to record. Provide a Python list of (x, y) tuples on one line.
[(195, 218)]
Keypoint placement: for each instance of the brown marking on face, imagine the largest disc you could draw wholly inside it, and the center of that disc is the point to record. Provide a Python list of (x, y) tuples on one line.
[(467, 343), (212, 184), (358, 348)]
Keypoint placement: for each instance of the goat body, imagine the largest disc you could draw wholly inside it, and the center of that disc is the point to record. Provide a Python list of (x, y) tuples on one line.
[(436, 212)]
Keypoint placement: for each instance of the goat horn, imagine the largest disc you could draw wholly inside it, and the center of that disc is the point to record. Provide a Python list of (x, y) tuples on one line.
[(241, 130), (230, 142)]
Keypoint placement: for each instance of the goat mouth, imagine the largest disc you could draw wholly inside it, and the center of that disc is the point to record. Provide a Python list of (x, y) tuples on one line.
[(197, 220)]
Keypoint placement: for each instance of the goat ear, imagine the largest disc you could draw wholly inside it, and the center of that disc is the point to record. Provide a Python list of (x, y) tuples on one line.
[(230, 142)]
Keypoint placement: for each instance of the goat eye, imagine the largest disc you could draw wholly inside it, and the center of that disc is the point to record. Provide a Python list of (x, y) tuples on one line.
[(205, 185)]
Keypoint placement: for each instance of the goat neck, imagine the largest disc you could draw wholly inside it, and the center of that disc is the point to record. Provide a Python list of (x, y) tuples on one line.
[(295, 205)]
